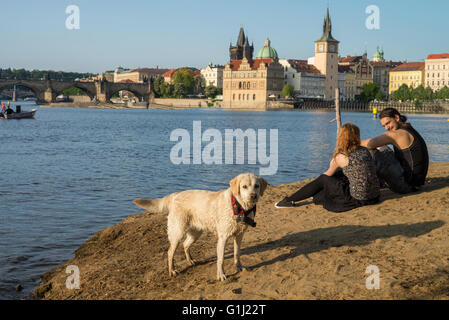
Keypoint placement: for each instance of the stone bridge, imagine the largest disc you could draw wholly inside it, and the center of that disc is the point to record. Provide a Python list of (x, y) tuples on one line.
[(48, 90)]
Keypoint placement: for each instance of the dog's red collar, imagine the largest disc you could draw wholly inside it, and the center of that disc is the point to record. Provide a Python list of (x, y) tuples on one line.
[(241, 214)]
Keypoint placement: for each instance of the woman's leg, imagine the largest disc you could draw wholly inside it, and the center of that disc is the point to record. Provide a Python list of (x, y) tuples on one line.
[(309, 190)]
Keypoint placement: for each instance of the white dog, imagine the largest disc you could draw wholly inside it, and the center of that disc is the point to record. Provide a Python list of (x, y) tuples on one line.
[(226, 213)]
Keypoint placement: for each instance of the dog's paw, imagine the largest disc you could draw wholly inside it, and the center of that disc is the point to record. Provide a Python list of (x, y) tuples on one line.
[(173, 273), (192, 262), (240, 267), (221, 277)]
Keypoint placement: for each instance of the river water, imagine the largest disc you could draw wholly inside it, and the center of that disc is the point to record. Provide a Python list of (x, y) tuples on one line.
[(71, 172)]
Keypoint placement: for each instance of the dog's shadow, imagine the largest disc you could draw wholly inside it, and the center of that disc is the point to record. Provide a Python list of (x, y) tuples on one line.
[(316, 240)]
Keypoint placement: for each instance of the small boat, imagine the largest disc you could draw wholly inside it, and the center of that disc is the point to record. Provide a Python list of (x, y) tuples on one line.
[(20, 115)]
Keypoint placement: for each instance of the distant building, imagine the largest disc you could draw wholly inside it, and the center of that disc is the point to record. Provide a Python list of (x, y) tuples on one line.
[(382, 70), (378, 55), (138, 75), (168, 76), (306, 79), (437, 71), (410, 74), (356, 72), (242, 49), (382, 74), (213, 75), (250, 83)]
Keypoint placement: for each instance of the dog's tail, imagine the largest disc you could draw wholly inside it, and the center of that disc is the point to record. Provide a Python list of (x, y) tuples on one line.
[(154, 205)]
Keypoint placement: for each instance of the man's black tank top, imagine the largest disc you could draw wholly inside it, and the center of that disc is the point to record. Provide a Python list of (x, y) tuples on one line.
[(414, 159)]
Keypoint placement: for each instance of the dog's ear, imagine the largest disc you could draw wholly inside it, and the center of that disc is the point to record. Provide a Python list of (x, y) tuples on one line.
[(235, 186), (263, 185)]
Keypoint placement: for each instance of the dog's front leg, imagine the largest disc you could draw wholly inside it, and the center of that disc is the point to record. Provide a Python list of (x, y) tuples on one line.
[(237, 244), (220, 257)]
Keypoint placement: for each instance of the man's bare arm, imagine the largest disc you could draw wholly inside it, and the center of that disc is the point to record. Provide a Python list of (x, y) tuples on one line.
[(378, 141)]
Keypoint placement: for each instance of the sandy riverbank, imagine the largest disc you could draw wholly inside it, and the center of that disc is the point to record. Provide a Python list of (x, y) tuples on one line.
[(298, 253)]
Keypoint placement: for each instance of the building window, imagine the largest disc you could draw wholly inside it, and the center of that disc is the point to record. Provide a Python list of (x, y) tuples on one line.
[(248, 85), (239, 96), (244, 85), (233, 96), (254, 96), (247, 96)]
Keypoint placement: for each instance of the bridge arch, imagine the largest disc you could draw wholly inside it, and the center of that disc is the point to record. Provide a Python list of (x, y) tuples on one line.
[(61, 88), (5, 86), (133, 91)]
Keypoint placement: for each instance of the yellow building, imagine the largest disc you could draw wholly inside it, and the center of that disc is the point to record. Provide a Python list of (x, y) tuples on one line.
[(410, 73), (250, 83)]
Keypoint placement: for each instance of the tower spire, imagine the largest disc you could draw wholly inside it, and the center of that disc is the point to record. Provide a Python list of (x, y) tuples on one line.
[(327, 28)]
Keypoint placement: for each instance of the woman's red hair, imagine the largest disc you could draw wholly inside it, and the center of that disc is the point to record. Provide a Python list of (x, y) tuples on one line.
[(348, 139)]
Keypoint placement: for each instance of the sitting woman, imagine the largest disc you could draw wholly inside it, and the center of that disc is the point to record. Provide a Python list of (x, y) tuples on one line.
[(353, 186)]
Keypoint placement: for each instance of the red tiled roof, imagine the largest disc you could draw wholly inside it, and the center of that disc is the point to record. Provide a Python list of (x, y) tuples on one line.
[(235, 64), (303, 66), (197, 72), (409, 66), (350, 59), (169, 73), (438, 56)]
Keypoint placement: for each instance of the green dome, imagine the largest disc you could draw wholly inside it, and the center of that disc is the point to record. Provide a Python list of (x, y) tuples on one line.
[(267, 51)]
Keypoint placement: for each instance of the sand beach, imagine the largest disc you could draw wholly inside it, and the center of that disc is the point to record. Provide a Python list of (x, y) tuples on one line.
[(296, 253)]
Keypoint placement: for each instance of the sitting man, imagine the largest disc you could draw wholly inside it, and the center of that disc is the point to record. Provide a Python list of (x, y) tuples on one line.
[(405, 170)]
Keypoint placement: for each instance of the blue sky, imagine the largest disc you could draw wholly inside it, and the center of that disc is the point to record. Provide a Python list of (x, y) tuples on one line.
[(168, 34)]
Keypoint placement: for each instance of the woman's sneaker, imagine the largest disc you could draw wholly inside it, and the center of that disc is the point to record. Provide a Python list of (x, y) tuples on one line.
[(284, 204)]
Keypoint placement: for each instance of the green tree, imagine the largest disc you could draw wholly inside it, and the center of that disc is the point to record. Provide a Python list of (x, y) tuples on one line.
[(418, 93), (287, 90), (199, 84), (211, 91), (179, 90), (166, 90), (429, 94), (379, 96), (186, 77), (443, 93), (73, 91), (158, 84), (403, 93), (370, 91)]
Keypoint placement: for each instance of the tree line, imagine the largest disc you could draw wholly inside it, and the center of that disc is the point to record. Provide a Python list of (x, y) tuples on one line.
[(22, 74), (371, 91)]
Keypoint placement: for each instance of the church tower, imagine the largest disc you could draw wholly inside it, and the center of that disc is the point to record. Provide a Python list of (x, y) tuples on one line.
[(326, 58), (242, 49)]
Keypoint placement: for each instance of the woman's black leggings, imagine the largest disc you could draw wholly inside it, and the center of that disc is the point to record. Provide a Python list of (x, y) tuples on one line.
[(309, 190)]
